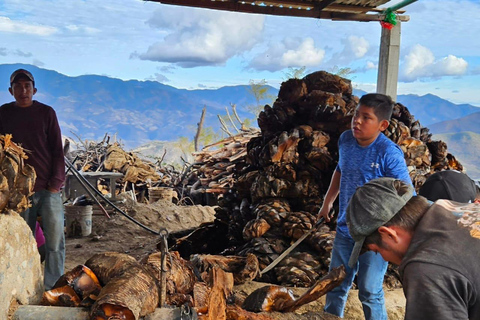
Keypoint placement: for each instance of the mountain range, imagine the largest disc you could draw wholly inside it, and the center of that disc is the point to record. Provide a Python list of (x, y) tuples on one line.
[(140, 112)]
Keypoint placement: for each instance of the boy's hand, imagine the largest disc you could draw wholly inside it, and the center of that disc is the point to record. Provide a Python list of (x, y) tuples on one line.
[(325, 212)]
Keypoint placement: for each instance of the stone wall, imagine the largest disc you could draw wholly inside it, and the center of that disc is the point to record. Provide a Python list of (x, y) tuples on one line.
[(21, 278)]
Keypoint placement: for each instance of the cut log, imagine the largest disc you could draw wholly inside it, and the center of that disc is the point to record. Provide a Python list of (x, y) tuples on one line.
[(333, 279), (300, 269), (180, 277), (243, 268), (109, 265), (222, 287), (83, 281), (131, 295), (268, 299), (201, 293), (255, 229), (234, 312), (275, 298), (61, 297)]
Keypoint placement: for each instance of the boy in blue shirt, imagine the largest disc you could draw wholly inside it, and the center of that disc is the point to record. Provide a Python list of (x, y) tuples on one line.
[(364, 154)]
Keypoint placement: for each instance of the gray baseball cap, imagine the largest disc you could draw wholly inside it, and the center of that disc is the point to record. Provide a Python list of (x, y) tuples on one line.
[(21, 73), (371, 206)]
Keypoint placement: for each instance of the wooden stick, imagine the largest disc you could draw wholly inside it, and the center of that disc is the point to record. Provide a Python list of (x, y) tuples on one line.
[(331, 280), (231, 121), (199, 127)]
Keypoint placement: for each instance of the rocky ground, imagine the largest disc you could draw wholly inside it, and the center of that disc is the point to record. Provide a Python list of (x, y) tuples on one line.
[(121, 235)]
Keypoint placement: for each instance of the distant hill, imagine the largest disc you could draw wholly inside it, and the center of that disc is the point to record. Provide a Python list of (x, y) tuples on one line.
[(138, 111), (468, 123), (466, 148), (430, 109), (142, 111)]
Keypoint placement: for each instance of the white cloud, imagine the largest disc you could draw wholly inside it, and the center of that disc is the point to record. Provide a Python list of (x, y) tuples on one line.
[(167, 69), (305, 55), (161, 78), (38, 63), (358, 46), (82, 29), (198, 37), (354, 49), (20, 53), (443, 26), (370, 65), (421, 63), (8, 25), (291, 52), (72, 27), (365, 86)]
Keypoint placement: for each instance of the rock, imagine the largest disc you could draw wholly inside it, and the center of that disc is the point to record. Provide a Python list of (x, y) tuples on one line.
[(21, 277)]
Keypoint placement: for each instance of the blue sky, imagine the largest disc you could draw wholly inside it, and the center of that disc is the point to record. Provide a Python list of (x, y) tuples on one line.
[(197, 48)]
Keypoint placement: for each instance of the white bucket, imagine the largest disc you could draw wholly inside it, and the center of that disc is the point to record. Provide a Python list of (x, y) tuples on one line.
[(79, 220)]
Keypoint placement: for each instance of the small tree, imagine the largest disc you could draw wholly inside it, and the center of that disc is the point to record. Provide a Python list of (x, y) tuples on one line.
[(259, 90), (343, 72), (295, 73), (185, 145)]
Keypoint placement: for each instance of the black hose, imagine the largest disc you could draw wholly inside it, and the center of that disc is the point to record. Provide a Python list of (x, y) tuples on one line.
[(79, 177), (108, 201), (73, 162)]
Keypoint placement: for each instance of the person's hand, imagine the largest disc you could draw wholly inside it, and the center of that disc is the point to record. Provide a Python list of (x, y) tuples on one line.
[(325, 212), (52, 190)]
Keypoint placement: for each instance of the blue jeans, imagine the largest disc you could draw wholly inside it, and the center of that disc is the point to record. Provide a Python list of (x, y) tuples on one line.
[(371, 269), (49, 206)]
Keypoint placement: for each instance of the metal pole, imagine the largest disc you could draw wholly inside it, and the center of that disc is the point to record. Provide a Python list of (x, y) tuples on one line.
[(401, 4)]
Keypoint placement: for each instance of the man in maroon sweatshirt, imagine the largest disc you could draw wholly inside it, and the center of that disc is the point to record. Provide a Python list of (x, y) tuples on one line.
[(34, 126)]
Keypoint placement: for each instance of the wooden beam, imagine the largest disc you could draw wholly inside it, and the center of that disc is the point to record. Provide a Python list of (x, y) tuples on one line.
[(323, 4), (279, 11), (326, 5)]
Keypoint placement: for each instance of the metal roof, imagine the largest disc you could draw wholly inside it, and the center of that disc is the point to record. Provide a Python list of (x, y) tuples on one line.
[(346, 10)]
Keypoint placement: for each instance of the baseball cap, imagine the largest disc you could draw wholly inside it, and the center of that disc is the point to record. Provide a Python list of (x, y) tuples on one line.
[(450, 185), (21, 73), (371, 206)]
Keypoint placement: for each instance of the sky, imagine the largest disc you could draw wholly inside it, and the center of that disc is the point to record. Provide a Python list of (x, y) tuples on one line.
[(195, 48)]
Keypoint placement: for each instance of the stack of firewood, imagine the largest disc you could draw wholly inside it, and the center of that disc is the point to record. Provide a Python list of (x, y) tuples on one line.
[(288, 168), (216, 163), (17, 179), (133, 168), (139, 174)]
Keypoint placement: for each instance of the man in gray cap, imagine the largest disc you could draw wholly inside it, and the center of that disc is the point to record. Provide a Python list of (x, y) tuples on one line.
[(34, 126), (438, 258)]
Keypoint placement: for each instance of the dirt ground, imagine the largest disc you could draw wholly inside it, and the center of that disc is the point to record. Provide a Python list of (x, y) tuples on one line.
[(119, 234)]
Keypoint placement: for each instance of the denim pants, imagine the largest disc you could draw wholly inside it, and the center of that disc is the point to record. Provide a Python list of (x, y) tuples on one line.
[(49, 206), (371, 269)]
